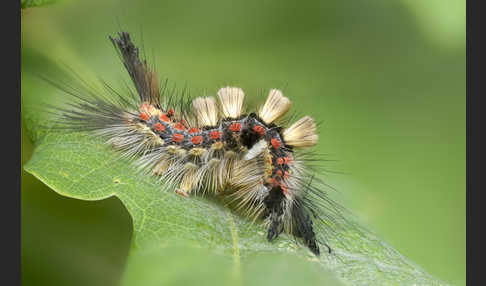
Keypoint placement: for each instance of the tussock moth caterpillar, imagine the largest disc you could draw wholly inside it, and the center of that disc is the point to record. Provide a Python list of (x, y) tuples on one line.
[(210, 146)]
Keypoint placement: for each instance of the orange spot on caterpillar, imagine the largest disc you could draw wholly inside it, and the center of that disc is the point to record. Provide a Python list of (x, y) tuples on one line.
[(275, 143), (214, 135), (171, 112), (194, 130), (284, 188), (279, 173), (274, 182), (177, 137), (259, 129), (280, 161), (159, 127), (145, 106), (164, 118), (286, 160), (179, 126), (144, 116), (235, 127), (197, 139)]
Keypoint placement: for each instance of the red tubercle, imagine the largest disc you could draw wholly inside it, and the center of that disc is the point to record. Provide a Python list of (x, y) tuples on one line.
[(164, 118), (235, 127), (274, 182), (197, 140), (275, 143), (145, 106), (194, 130), (286, 160), (284, 188), (171, 112), (215, 135), (179, 126), (286, 175), (279, 173), (159, 127), (177, 137), (144, 116), (277, 183), (280, 161), (259, 129)]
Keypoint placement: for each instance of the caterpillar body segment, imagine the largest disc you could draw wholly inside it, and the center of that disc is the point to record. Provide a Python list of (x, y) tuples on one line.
[(213, 147)]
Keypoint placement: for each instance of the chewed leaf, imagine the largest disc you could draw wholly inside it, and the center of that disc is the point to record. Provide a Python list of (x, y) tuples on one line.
[(82, 167)]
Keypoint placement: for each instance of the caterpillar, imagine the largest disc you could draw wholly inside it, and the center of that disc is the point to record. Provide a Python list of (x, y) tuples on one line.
[(210, 146)]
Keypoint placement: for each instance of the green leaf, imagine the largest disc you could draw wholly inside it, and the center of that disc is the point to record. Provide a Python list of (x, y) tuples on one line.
[(83, 167), (171, 264)]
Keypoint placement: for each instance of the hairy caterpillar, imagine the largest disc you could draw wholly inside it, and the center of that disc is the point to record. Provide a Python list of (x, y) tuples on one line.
[(211, 146)]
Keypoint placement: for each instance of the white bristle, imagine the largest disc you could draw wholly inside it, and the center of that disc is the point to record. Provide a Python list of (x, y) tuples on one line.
[(231, 99), (275, 106), (206, 111), (302, 133), (256, 150)]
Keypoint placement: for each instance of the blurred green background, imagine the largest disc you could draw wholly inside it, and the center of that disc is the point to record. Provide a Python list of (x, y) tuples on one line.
[(387, 78)]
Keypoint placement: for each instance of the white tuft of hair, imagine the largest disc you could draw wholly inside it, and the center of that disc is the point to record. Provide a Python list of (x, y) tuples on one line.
[(302, 133), (231, 99), (257, 149), (275, 106), (206, 111)]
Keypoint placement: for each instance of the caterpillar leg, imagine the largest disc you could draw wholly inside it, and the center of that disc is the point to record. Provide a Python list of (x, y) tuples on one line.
[(182, 192)]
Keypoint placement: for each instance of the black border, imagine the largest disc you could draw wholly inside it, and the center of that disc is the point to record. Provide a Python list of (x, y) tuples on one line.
[(10, 209), (468, 161), (471, 267)]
